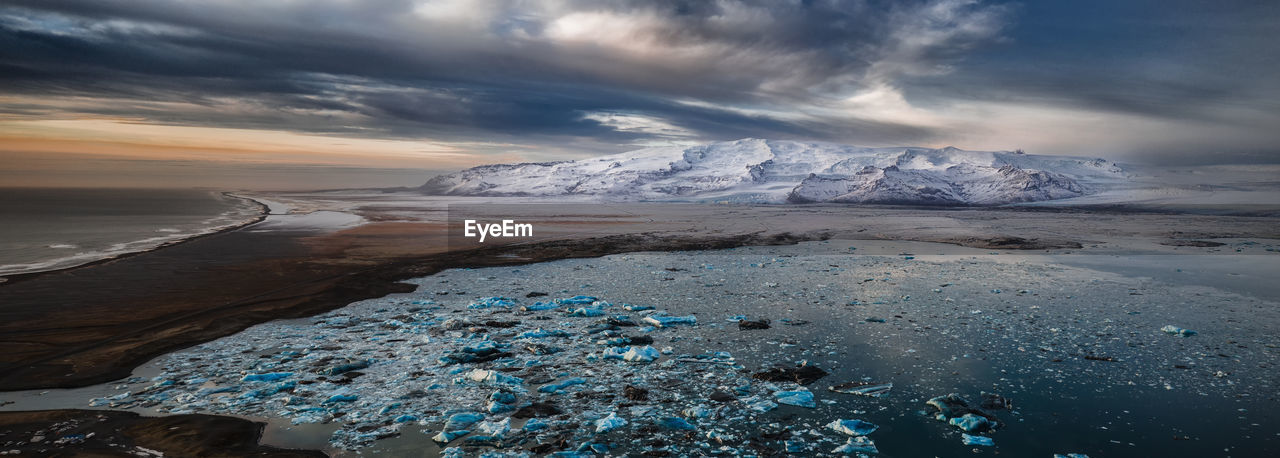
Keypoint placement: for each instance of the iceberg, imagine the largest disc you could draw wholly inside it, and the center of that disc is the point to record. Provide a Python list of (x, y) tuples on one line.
[(268, 377), (863, 389), (495, 377), (663, 320), (609, 423), (554, 388), (859, 444), (643, 354), (971, 423), (977, 440), (852, 427), (801, 398)]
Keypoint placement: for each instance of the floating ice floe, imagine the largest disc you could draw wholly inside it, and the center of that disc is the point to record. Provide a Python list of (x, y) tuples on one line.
[(863, 388), (578, 300), (663, 320), (494, 377), (609, 423), (976, 440), (859, 444), (267, 377), (491, 302), (971, 423), (852, 427), (641, 354), (1177, 331), (558, 387), (800, 398), (955, 410)]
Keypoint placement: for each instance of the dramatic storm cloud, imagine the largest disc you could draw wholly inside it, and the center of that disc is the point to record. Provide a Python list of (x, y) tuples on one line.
[(461, 82)]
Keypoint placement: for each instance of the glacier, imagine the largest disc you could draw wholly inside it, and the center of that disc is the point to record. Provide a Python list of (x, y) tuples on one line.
[(777, 171)]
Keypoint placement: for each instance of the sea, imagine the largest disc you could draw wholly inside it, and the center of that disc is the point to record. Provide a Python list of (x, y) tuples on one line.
[(43, 229)]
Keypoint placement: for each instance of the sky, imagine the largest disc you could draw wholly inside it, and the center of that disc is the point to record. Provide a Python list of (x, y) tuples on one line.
[(445, 84)]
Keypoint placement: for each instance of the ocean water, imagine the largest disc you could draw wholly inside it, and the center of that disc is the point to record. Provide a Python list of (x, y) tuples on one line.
[(45, 229)]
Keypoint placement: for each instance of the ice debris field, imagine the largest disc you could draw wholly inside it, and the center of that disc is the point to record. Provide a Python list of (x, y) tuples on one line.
[(809, 350)]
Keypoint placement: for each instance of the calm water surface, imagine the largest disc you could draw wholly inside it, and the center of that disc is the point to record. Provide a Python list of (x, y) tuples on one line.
[(54, 228)]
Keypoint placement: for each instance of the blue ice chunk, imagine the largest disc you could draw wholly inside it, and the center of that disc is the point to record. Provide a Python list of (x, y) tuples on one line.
[(852, 427), (492, 302), (977, 440), (643, 354), (488, 376), (540, 306), (577, 300), (557, 387), (971, 423), (501, 401), (445, 437), (636, 308), (503, 397), (860, 444), (406, 418), (274, 389), (215, 390), (800, 398), (1177, 331), (268, 377), (498, 407), (341, 398), (609, 423), (495, 429), (675, 423), (663, 320), (1070, 455), (388, 408), (586, 312), (613, 353), (462, 420), (759, 404), (535, 424), (347, 367), (697, 412)]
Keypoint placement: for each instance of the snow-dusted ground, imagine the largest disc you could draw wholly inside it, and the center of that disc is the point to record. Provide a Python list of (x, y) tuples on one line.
[(772, 171), (1080, 353)]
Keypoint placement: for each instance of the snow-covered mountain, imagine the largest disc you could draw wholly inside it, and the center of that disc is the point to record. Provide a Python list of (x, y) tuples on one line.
[(753, 170)]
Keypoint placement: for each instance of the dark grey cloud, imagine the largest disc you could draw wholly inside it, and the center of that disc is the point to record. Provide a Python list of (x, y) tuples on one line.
[(602, 76)]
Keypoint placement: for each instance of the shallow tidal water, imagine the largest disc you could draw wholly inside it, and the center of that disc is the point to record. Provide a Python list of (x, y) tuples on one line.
[(1079, 351), (53, 228)]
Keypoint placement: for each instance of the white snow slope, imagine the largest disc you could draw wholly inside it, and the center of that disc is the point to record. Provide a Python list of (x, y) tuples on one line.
[(769, 171)]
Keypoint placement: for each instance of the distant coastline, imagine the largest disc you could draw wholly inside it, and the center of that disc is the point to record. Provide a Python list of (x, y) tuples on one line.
[(263, 212)]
